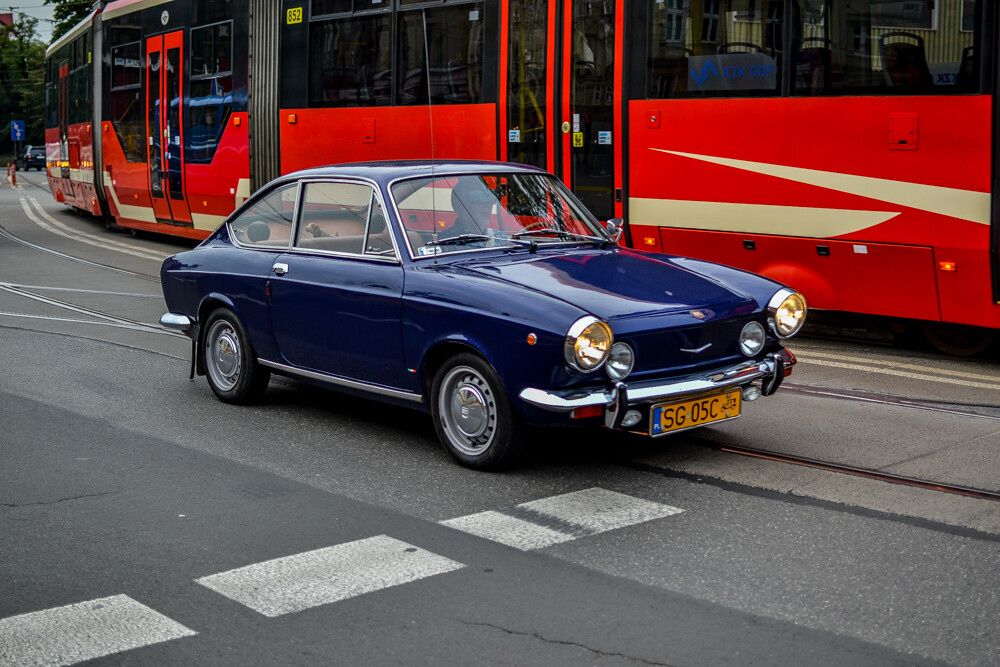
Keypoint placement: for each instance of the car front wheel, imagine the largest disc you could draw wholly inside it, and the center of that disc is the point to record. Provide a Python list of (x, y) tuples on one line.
[(230, 361), (473, 416)]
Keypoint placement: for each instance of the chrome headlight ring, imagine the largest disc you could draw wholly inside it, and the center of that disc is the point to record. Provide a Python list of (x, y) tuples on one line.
[(786, 313), (588, 344), (620, 361), (752, 339)]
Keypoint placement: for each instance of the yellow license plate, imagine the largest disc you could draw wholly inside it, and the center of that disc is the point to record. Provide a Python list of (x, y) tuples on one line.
[(669, 417)]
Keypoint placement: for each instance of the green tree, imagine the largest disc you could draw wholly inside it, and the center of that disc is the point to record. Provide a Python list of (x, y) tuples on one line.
[(67, 13), (22, 72)]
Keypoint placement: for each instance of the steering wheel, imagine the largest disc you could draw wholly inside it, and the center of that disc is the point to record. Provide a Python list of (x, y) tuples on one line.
[(537, 224)]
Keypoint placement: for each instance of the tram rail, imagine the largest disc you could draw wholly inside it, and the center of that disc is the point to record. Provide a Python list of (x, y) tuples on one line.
[(976, 411), (954, 489)]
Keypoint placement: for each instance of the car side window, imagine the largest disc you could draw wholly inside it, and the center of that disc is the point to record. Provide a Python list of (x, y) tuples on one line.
[(268, 223), (335, 217)]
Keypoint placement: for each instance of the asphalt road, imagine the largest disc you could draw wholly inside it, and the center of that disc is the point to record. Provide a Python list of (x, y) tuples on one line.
[(144, 522)]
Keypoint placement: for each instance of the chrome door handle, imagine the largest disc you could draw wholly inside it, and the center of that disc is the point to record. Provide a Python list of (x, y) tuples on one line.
[(280, 269)]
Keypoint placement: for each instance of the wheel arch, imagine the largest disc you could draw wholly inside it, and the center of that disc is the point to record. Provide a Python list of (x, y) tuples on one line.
[(208, 305), (441, 351)]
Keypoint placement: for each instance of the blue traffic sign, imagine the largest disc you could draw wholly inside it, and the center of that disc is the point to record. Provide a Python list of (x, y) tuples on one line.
[(17, 130)]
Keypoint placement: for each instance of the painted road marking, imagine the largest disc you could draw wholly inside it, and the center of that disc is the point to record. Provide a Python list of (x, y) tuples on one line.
[(295, 583), (542, 523), (899, 370), (84, 631), (896, 364), (54, 226)]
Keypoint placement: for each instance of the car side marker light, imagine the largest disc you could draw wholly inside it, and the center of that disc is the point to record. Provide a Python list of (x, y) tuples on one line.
[(532, 339), (948, 266)]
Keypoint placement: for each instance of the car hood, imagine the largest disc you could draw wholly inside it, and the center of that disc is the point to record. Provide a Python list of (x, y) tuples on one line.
[(613, 284)]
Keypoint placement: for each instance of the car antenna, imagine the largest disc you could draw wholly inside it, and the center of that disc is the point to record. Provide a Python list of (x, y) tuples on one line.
[(430, 112)]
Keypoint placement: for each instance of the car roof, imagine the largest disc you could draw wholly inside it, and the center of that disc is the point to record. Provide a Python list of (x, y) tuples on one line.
[(392, 170)]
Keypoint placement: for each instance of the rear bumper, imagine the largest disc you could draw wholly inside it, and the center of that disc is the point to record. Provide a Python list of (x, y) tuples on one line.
[(621, 396), (176, 321)]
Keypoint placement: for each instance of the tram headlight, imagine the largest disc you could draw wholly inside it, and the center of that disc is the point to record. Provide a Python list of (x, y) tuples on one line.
[(786, 313), (588, 344)]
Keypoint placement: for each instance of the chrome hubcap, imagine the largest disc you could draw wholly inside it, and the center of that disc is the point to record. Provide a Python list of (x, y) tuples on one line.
[(468, 410), (224, 355)]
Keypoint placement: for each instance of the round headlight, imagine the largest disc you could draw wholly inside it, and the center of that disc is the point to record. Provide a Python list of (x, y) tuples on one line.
[(786, 312), (752, 339), (588, 344), (620, 361)]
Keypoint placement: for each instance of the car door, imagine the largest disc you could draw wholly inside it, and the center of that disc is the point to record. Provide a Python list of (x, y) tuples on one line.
[(336, 297), (261, 232)]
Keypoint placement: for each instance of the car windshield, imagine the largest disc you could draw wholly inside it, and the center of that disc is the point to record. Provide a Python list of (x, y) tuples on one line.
[(444, 214)]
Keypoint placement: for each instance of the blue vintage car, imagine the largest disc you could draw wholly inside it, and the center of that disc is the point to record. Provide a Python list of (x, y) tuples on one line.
[(482, 292)]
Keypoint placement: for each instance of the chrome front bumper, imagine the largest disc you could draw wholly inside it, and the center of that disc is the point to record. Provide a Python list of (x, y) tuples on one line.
[(622, 395)]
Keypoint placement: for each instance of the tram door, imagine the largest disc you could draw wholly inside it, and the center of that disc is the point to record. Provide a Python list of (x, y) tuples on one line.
[(164, 114), (560, 105)]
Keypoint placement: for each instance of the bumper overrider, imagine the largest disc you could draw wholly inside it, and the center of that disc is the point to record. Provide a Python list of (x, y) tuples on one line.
[(622, 396)]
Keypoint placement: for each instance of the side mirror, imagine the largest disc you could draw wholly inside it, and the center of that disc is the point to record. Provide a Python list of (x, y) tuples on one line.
[(615, 227)]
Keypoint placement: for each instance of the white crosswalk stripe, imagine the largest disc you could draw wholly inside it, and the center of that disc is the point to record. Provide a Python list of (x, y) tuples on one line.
[(83, 631), (295, 583), (542, 523), (97, 628)]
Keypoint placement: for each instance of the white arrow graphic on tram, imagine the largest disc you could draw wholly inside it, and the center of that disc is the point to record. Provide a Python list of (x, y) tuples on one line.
[(968, 205)]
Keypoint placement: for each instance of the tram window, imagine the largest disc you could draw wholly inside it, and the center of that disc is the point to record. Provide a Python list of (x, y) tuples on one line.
[(323, 7), (210, 11), (210, 91), (126, 66), (212, 49), (51, 96), (350, 61), (127, 119), (714, 48), (527, 82), (454, 44), (125, 109), (79, 81), (918, 47)]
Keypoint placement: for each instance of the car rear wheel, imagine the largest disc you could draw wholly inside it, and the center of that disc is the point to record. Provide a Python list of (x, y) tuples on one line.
[(473, 416), (230, 361)]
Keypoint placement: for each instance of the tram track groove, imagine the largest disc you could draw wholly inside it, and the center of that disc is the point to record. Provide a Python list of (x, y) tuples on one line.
[(926, 405), (34, 246), (107, 317), (922, 373), (868, 473)]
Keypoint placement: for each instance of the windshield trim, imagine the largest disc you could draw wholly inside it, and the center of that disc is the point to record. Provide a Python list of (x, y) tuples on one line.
[(513, 244)]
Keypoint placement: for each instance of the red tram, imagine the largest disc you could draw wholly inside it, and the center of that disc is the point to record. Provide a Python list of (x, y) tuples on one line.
[(844, 147)]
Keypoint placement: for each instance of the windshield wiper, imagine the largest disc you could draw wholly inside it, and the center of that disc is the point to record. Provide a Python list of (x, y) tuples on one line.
[(561, 233), (462, 239)]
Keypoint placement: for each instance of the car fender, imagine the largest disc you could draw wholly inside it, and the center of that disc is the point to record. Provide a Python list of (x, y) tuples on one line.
[(491, 319)]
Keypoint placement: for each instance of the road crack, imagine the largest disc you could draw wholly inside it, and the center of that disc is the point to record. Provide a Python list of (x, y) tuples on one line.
[(603, 654), (60, 500)]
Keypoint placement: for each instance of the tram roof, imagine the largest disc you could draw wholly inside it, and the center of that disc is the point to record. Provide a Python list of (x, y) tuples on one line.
[(72, 34)]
